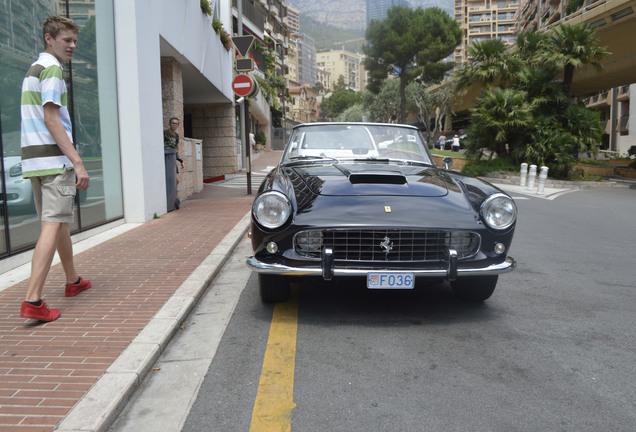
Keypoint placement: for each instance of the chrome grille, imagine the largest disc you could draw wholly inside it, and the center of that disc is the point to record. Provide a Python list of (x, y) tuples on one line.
[(393, 245)]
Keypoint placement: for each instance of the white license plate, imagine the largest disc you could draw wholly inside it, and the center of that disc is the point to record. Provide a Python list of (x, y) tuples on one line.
[(390, 280)]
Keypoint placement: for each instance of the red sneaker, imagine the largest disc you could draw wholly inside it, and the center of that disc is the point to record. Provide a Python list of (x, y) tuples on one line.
[(42, 312), (74, 289)]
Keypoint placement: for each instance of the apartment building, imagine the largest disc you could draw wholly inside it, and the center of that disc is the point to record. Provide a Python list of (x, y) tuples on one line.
[(324, 77), (306, 60), (609, 91), (267, 21), (304, 104), (376, 9), (342, 63), (484, 19)]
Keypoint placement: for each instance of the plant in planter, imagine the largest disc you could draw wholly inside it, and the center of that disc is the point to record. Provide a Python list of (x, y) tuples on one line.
[(260, 139), (206, 8)]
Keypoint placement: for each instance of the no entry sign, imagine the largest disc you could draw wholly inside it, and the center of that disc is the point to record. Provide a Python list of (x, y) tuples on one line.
[(242, 85)]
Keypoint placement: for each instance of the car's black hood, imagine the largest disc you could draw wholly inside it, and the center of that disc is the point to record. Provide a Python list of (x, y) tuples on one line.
[(372, 179)]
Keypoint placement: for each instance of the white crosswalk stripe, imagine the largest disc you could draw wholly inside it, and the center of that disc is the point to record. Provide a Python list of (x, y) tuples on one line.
[(240, 181)]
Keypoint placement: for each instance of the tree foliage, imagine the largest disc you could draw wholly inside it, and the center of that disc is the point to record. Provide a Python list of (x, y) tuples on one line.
[(525, 111), (409, 43), (337, 103), (385, 105)]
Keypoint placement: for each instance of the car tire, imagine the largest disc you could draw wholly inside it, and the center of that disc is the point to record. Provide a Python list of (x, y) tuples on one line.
[(474, 288), (273, 288)]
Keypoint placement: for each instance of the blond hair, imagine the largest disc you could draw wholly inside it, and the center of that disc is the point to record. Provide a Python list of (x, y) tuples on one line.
[(54, 24)]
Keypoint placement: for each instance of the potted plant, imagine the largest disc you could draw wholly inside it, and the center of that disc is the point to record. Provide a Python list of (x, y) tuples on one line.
[(261, 140)]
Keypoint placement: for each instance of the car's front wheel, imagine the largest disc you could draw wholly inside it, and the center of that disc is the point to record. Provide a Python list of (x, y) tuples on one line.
[(474, 288), (273, 288)]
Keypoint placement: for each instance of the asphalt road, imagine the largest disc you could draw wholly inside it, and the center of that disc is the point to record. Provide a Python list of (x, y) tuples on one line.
[(554, 349)]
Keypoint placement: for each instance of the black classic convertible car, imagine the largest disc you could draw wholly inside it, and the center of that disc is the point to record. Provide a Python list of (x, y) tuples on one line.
[(366, 200)]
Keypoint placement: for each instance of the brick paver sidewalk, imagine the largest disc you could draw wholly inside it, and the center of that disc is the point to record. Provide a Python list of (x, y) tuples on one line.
[(46, 368)]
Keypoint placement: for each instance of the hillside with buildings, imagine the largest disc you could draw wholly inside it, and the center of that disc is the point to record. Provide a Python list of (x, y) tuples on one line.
[(347, 15), (330, 37), (352, 15)]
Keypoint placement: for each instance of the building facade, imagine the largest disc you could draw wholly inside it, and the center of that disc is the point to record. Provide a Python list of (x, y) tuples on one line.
[(138, 63), (376, 9), (305, 104), (266, 21), (343, 63), (481, 20), (306, 60), (610, 91)]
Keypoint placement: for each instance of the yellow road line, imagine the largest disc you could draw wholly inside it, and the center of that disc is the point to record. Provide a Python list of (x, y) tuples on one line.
[(274, 399)]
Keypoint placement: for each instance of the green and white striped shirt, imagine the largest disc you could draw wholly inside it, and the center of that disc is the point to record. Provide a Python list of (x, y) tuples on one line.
[(43, 83)]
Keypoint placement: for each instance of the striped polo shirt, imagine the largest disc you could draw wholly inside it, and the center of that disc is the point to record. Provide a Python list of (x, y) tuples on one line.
[(43, 84)]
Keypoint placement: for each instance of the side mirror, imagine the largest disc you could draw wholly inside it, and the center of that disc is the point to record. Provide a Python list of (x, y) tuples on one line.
[(447, 162)]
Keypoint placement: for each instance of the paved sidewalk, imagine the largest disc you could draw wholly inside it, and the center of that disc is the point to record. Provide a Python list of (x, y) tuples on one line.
[(74, 374)]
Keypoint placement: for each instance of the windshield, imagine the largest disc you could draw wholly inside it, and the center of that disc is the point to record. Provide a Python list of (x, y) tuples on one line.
[(355, 141)]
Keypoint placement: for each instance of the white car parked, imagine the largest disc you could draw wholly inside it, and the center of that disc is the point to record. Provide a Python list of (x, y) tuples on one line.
[(19, 194)]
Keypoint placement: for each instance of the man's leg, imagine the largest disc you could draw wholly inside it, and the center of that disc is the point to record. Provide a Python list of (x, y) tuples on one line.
[(65, 251), (42, 258), (74, 284)]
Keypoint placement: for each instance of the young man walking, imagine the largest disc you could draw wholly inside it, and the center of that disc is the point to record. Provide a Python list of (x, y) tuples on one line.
[(52, 163)]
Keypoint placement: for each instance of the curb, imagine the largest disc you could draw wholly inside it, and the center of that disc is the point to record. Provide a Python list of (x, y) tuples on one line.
[(99, 407), (564, 184)]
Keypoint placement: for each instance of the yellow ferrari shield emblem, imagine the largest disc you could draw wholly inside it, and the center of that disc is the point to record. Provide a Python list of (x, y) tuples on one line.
[(387, 209)]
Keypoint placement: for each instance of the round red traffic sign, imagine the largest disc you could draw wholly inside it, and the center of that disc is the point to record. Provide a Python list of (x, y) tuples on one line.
[(242, 85)]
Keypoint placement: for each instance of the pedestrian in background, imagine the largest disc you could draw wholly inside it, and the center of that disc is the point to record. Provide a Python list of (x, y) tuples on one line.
[(51, 162), (171, 140), (456, 143)]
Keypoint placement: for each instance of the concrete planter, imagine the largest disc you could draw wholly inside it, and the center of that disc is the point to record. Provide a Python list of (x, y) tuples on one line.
[(458, 163), (603, 171), (620, 162), (626, 172)]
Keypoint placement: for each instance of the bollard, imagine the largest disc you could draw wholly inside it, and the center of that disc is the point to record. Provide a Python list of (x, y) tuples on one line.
[(524, 174), (532, 176), (543, 176)]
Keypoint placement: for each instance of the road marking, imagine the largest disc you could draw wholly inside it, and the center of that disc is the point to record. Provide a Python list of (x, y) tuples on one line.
[(274, 399)]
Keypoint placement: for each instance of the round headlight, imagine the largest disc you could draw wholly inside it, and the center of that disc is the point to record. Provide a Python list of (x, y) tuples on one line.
[(499, 211), (271, 209)]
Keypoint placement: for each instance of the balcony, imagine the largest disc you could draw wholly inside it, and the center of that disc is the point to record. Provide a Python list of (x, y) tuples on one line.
[(251, 12), (599, 100), (623, 93)]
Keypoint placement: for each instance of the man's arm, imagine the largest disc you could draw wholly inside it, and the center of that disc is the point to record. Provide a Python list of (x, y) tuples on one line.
[(56, 128)]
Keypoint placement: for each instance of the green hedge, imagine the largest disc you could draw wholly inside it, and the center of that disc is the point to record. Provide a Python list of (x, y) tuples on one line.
[(488, 166)]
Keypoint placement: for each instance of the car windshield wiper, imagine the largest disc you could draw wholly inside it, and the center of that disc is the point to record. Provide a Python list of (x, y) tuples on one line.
[(392, 160), (311, 158)]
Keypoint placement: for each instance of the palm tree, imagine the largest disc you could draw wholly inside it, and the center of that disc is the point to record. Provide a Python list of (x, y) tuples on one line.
[(501, 117), (490, 63), (572, 47)]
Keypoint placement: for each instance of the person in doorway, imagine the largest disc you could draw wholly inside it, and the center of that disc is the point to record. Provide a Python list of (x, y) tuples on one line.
[(171, 140), (50, 161), (252, 141)]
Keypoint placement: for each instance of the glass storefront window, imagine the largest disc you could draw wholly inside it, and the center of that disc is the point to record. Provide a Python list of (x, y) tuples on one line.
[(91, 82)]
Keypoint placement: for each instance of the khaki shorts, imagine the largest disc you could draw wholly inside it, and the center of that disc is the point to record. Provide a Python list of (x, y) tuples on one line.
[(54, 196)]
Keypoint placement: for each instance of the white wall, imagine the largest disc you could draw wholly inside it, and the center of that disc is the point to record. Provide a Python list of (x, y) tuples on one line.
[(139, 25)]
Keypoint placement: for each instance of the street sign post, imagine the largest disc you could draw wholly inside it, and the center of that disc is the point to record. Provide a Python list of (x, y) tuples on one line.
[(243, 85), (243, 45), (244, 65)]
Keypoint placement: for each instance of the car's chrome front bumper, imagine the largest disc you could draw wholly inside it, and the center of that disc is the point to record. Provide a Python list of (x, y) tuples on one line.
[(453, 270)]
